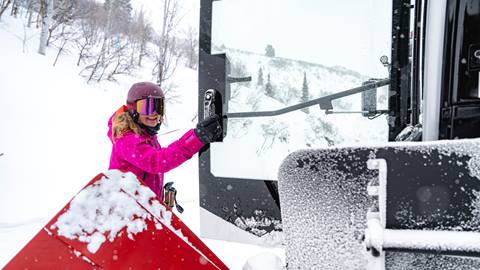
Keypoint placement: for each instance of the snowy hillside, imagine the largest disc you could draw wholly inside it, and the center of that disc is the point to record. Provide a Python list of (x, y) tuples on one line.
[(273, 138), (53, 138)]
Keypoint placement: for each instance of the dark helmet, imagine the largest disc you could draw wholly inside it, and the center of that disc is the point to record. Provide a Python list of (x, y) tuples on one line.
[(142, 90)]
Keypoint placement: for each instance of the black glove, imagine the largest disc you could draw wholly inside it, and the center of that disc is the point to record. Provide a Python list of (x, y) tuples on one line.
[(209, 129)]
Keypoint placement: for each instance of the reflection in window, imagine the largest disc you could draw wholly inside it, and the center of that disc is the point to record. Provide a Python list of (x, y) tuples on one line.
[(296, 53)]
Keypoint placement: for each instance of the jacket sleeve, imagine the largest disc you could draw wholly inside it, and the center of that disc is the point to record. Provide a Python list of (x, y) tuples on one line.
[(139, 153)]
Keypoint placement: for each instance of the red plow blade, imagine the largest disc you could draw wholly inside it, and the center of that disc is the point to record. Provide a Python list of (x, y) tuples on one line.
[(115, 222)]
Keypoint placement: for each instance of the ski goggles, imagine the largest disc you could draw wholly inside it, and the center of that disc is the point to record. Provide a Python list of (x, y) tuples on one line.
[(149, 105)]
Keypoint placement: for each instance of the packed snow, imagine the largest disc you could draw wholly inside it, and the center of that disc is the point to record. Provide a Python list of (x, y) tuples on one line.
[(264, 261), (109, 206)]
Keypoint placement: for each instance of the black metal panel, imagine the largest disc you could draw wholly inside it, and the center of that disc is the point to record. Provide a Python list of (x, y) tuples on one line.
[(248, 203), (205, 27), (434, 192), (400, 71), (460, 89), (432, 186)]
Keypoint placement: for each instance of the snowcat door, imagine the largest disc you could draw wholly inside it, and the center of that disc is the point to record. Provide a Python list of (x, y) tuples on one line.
[(232, 209), (265, 64), (460, 99)]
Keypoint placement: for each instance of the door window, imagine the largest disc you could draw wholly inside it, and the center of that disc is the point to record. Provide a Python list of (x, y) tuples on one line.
[(296, 51)]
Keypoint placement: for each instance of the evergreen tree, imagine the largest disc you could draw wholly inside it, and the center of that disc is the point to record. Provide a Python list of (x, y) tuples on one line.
[(269, 51), (268, 87), (260, 77), (305, 96)]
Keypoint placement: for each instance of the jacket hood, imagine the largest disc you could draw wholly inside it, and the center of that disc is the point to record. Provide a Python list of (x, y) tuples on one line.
[(110, 120)]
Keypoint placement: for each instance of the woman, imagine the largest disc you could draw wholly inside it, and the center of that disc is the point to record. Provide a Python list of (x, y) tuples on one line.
[(135, 148)]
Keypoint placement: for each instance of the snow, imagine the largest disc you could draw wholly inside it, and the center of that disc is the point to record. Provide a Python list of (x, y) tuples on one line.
[(328, 216), (107, 207), (374, 234), (264, 261), (331, 186), (53, 140), (432, 240), (213, 225), (380, 238), (294, 130)]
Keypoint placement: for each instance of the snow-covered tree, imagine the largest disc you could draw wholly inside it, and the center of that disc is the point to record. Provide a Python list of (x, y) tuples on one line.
[(15, 8), (141, 33), (167, 58), (322, 133), (272, 131), (190, 47), (46, 21), (269, 87), (305, 95), (63, 14), (119, 14), (90, 24), (4, 5), (260, 77), (269, 51)]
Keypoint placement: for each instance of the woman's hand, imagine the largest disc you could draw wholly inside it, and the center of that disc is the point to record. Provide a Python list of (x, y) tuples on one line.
[(209, 129)]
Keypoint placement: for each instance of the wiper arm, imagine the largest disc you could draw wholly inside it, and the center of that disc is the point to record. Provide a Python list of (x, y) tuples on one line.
[(324, 102)]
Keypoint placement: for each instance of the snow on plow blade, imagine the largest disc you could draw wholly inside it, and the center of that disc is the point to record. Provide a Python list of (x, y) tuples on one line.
[(115, 222), (417, 208)]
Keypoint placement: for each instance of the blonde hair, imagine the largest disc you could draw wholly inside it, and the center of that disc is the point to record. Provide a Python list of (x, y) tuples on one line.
[(122, 122)]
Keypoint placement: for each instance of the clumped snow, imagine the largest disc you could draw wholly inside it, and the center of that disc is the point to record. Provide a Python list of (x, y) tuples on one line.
[(432, 240), (264, 261), (102, 211), (474, 166)]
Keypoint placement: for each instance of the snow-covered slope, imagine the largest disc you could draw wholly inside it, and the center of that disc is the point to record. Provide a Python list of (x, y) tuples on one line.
[(271, 139), (53, 139)]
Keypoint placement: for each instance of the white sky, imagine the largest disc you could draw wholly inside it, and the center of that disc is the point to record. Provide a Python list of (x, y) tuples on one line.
[(189, 12), (348, 33)]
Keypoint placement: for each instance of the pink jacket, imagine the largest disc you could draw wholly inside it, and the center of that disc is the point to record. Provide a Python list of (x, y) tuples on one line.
[(143, 155)]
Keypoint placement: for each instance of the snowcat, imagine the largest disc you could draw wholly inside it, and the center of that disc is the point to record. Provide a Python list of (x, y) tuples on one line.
[(349, 130)]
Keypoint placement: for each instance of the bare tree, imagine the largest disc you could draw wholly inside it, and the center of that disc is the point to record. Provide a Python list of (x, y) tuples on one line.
[(15, 8), (86, 40), (26, 38), (115, 55), (122, 62), (189, 47), (4, 6), (46, 21), (90, 22), (272, 131), (167, 59), (141, 33), (62, 15), (98, 63), (41, 11), (31, 4), (65, 36)]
